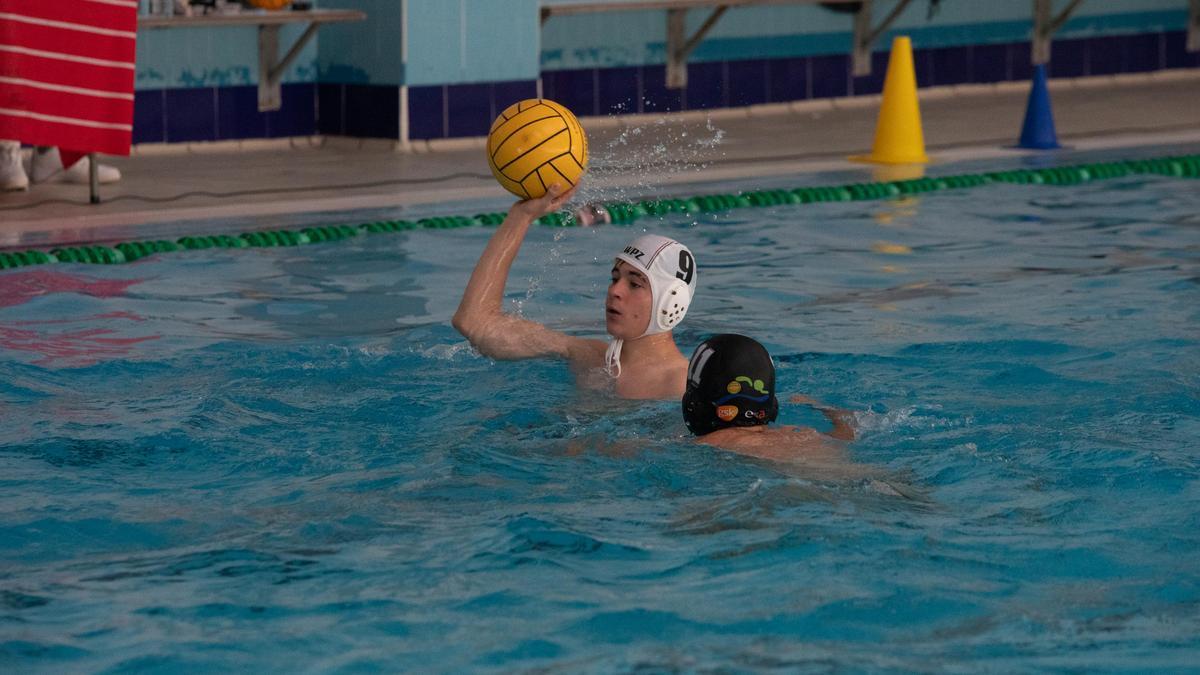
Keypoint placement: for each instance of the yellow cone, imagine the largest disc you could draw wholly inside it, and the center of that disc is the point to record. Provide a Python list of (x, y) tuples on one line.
[(898, 137), (886, 173)]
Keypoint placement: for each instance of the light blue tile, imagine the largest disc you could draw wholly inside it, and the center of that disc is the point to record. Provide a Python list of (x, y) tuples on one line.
[(468, 41), (612, 39), (213, 57), (461, 41), (364, 52)]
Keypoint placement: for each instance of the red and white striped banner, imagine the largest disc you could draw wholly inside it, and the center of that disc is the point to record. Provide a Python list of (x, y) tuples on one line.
[(66, 74)]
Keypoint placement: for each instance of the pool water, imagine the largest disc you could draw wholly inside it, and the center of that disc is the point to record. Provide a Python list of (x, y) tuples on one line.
[(287, 460)]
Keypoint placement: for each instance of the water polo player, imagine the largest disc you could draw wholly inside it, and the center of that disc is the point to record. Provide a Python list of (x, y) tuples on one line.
[(730, 400), (653, 282)]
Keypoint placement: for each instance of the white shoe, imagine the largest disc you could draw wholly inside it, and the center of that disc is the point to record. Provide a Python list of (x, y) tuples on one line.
[(12, 174), (46, 164)]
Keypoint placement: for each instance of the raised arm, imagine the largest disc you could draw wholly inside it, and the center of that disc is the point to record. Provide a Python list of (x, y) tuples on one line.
[(480, 316)]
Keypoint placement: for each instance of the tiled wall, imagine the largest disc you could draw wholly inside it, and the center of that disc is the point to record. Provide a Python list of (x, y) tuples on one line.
[(221, 113), (360, 110), (458, 110), (448, 111), (719, 84), (455, 42)]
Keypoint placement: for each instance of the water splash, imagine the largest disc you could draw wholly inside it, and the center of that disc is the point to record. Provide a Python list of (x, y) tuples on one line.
[(910, 418), (447, 352), (638, 160)]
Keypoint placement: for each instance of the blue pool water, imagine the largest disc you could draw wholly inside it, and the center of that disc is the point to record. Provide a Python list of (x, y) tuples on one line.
[(286, 460)]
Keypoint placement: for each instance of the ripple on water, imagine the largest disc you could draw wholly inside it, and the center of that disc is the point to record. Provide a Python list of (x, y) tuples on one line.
[(308, 468)]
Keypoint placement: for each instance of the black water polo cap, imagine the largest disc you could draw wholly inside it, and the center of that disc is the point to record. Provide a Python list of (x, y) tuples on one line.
[(731, 383)]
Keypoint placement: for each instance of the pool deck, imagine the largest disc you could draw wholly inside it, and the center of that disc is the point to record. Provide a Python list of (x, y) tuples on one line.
[(244, 185)]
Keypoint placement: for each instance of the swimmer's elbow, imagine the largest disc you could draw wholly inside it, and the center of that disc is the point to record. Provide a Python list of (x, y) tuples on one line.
[(473, 325), (470, 321), (462, 323), (499, 336), (470, 325)]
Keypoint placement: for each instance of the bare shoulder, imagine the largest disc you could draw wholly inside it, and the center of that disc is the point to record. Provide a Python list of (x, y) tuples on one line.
[(672, 375), (585, 353), (787, 443), (773, 437), (646, 379), (660, 380)]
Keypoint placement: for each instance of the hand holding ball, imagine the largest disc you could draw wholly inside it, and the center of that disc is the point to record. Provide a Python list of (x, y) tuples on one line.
[(534, 144)]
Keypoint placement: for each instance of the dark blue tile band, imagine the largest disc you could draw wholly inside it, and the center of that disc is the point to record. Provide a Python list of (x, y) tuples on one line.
[(238, 115), (191, 115), (426, 112), (830, 75), (989, 63), (788, 80), (441, 111), (575, 89), (748, 82), (655, 96), (706, 86), (331, 105), (372, 111), (504, 94), (149, 116), (618, 90), (1069, 58), (468, 109)]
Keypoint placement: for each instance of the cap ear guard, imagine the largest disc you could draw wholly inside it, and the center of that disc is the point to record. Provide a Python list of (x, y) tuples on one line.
[(701, 415), (772, 408), (672, 305), (670, 269), (697, 415)]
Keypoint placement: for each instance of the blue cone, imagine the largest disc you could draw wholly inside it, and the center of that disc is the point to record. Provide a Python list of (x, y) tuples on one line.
[(1038, 131)]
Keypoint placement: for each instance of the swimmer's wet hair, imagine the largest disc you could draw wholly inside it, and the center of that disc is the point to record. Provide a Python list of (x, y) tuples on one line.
[(731, 383)]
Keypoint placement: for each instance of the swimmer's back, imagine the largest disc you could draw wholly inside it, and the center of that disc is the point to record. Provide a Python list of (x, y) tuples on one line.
[(781, 444)]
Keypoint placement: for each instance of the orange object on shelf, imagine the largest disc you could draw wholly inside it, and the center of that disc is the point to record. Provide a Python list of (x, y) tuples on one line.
[(270, 4)]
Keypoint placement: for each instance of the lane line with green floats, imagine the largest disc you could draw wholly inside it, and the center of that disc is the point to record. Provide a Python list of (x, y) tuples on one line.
[(1186, 166)]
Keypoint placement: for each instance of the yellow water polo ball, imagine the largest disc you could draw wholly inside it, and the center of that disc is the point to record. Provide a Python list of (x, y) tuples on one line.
[(534, 144)]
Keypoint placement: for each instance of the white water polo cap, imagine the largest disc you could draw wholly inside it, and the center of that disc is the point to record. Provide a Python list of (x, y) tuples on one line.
[(671, 270)]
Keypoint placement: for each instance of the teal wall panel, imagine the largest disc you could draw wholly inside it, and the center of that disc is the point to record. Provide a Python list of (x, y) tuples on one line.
[(435, 46), (623, 38), (459, 41), (466, 41), (364, 52), (178, 58), (923, 37)]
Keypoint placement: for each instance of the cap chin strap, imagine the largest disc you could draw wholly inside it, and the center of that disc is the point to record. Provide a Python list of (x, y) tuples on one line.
[(612, 358)]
